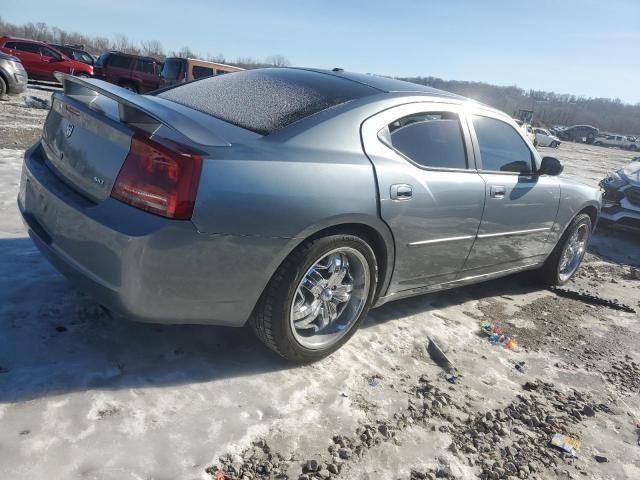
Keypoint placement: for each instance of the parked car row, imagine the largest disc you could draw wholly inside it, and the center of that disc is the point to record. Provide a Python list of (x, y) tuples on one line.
[(620, 141), (137, 73)]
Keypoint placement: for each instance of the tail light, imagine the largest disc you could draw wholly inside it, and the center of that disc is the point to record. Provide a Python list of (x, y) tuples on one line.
[(158, 179)]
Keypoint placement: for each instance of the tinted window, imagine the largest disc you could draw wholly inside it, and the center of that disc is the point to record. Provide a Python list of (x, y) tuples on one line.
[(501, 148), (221, 72), (27, 47), (428, 139), (172, 69), (47, 52), (120, 61), (201, 72), (102, 59), (145, 66), (267, 99)]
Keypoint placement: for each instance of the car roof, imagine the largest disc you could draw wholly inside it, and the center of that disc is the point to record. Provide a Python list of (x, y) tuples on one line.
[(115, 52), (386, 84), (19, 39)]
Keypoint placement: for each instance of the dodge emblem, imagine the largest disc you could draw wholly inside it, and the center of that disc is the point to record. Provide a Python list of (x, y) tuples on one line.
[(68, 130)]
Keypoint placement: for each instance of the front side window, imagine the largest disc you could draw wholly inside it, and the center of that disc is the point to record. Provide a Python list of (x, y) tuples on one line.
[(431, 139), (501, 148), (201, 72), (47, 52)]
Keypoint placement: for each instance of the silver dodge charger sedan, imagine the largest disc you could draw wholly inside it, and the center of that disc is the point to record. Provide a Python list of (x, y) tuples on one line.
[(291, 199)]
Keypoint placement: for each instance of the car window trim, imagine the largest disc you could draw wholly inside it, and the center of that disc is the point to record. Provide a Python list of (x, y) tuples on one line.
[(471, 168), (476, 145)]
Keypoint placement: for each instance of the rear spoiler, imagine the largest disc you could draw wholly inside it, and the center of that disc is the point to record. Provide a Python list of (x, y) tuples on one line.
[(140, 110)]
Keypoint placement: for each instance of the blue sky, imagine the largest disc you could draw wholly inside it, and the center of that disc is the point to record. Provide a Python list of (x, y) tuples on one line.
[(585, 47)]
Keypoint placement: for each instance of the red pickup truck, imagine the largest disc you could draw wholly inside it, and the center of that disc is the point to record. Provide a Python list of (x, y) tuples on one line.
[(41, 61)]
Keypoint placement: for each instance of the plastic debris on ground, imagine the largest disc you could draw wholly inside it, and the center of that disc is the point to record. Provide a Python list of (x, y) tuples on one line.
[(437, 355), (566, 443), (35, 102), (497, 336), (521, 366)]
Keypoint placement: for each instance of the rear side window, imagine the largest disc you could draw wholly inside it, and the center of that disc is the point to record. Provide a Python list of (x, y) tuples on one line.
[(201, 72), (501, 148), (268, 99), (144, 66), (26, 47), (431, 139), (120, 61)]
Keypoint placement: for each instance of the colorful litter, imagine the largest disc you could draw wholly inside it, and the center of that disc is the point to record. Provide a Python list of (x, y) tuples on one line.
[(566, 443), (497, 336)]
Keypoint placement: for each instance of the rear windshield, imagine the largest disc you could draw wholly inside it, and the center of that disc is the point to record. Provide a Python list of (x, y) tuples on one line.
[(266, 100)]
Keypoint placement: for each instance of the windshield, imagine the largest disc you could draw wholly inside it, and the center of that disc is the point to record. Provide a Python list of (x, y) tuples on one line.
[(172, 69)]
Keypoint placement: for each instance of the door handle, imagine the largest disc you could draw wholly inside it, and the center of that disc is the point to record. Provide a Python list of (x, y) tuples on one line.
[(498, 191), (401, 191)]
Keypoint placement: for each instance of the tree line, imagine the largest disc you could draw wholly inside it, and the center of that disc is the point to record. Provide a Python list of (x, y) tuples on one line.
[(96, 45), (549, 108)]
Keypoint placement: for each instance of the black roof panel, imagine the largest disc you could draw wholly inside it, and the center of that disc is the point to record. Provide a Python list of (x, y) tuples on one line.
[(268, 99)]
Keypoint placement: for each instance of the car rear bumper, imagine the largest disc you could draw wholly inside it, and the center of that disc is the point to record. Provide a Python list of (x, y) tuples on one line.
[(141, 266)]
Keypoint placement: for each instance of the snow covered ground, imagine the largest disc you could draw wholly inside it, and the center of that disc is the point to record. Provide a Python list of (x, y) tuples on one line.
[(83, 396)]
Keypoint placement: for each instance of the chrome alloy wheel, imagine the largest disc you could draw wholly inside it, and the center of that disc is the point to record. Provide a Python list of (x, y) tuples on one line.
[(330, 298), (572, 253)]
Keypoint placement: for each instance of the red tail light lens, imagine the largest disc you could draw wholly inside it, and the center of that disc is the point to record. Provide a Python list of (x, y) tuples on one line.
[(158, 179)]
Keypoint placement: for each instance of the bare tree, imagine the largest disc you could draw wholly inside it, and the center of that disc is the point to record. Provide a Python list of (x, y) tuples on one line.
[(152, 48), (219, 58), (277, 60)]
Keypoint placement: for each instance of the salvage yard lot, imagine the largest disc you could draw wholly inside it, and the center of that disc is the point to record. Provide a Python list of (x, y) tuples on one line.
[(84, 396)]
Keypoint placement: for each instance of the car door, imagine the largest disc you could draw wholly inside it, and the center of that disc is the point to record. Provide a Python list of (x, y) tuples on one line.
[(145, 75), (53, 62), (521, 206), (29, 55), (430, 193)]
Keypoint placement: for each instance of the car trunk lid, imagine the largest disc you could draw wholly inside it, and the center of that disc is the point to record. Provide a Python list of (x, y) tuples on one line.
[(88, 132)]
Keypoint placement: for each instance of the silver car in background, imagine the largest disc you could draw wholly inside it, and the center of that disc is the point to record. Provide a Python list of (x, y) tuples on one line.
[(292, 199)]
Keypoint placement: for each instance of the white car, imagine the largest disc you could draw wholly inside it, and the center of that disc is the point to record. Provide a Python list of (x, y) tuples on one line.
[(621, 199), (620, 141), (545, 139)]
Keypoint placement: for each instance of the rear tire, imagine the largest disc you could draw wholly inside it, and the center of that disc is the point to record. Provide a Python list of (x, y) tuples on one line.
[(290, 315), (554, 144), (598, 144), (558, 268), (3, 87)]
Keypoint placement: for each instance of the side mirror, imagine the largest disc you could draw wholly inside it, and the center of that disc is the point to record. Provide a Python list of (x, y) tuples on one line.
[(550, 166)]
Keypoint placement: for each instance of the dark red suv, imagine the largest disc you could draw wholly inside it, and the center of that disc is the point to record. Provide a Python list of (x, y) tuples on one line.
[(133, 72), (41, 61)]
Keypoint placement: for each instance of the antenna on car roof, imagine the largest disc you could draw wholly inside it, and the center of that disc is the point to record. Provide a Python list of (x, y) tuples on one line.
[(337, 69)]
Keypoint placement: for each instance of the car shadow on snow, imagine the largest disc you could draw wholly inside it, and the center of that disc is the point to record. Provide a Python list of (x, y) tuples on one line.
[(55, 340)]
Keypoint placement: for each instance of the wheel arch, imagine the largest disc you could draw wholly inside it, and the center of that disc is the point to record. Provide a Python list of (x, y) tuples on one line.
[(372, 230), (593, 213), (3, 75)]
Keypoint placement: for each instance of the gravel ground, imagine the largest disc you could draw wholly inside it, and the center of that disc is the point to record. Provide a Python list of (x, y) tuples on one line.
[(83, 396)]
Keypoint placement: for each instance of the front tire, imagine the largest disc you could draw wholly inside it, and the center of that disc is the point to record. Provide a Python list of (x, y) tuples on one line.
[(567, 255), (317, 298)]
